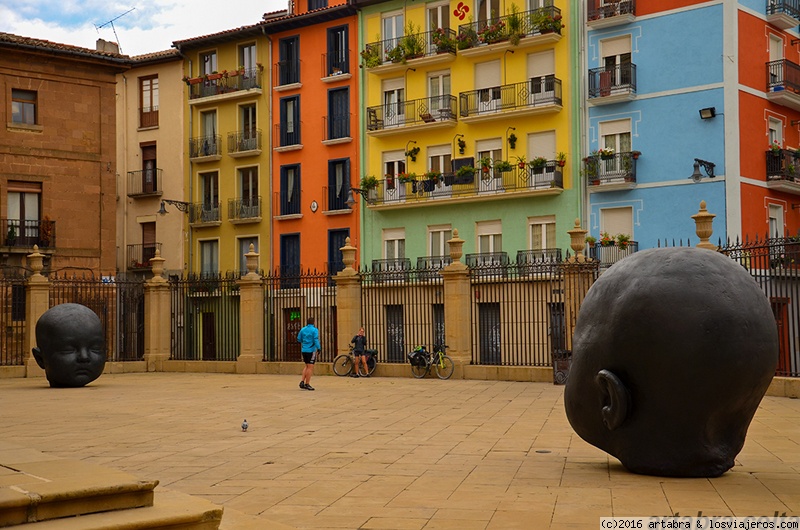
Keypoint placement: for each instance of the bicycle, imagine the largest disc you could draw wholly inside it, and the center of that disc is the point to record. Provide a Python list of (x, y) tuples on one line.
[(343, 364), (422, 360)]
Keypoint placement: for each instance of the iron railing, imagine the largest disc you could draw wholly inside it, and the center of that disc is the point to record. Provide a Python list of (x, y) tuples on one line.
[(402, 49), (617, 79), (148, 117), (244, 208), (783, 165), (285, 137), (544, 255), (228, 82), (26, 233), (391, 269), (12, 321), (607, 255), (783, 74), (245, 140), (509, 27), (619, 167), (145, 182), (138, 255), (609, 9), (336, 63), (536, 92), (412, 112), (200, 146), (287, 204), (204, 212), (336, 127), (788, 7), (287, 72), (336, 198)]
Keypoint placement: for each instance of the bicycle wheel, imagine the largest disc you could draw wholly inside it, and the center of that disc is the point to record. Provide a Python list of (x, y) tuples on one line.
[(445, 367), (343, 365), (420, 371), (371, 364)]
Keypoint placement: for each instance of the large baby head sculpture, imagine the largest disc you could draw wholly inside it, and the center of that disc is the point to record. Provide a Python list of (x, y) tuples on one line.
[(672, 352)]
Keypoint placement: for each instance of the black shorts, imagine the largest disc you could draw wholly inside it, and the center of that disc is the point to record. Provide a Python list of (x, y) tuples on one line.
[(358, 353), (309, 357)]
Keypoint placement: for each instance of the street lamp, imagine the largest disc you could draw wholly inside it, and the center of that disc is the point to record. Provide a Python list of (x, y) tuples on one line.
[(180, 205), (707, 166)]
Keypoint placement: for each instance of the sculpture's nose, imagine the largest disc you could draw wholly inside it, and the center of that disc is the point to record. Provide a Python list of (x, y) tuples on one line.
[(83, 354)]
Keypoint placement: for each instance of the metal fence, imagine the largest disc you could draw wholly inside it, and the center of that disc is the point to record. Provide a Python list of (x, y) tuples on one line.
[(12, 321), (205, 318), (289, 299)]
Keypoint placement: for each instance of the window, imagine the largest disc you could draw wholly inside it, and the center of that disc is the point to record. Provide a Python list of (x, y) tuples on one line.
[(336, 240), (248, 139), (244, 248), (208, 63), (248, 190), (776, 228), (542, 233), (615, 135), (775, 131), (247, 56), (317, 4), (394, 102), (394, 243), (209, 258), (392, 29), (616, 62), (487, 98), (338, 183), (439, 93), (290, 121), (541, 68), (24, 199), (438, 237), (338, 113), (617, 220), (209, 183), (23, 106), (148, 242), (289, 61), (493, 150), (290, 258), (290, 190), (207, 145), (148, 101), (439, 158), (488, 10), (394, 163), (338, 57), (149, 169), (490, 237), (438, 15)]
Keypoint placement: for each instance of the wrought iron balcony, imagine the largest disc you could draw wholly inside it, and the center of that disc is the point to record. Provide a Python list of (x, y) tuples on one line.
[(610, 254), (533, 257), (24, 233), (612, 85), (619, 168), (536, 94), (396, 269), (287, 138), (609, 12), (784, 14), (783, 170), (138, 255), (433, 262), (205, 146), (224, 83), (431, 110), (148, 117), (335, 64), (201, 213), (400, 50), (336, 128), (144, 183), (512, 28), (783, 83), (335, 198), (487, 263), (287, 73), (245, 142), (244, 209)]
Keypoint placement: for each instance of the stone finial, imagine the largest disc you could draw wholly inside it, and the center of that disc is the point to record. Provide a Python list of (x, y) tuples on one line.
[(157, 266), (36, 262), (456, 247), (348, 254), (251, 260), (703, 229), (577, 240)]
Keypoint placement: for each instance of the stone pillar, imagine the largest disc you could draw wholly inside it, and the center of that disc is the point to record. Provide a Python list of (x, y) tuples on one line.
[(578, 277), (251, 317), (157, 317), (703, 220), (348, 299), (458, 334), (38, 301)]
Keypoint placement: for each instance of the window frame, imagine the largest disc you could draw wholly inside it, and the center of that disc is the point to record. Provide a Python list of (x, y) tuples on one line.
[(29, 104)]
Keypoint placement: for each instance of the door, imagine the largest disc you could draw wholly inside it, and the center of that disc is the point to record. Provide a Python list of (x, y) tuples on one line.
[(209, 344), (293, 324), (395, 336), (393, 102), (489, 336), (148, 242), (780, 310), (338, 184), (338, 113), (149, 183), (336, 240)]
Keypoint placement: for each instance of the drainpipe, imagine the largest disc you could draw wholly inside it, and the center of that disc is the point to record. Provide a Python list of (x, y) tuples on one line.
[(270, 253), (191, 171)]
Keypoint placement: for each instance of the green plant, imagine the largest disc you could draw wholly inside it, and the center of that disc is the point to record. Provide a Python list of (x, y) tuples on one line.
[(591, 166), (494, 32), (371, 56), (405, 177), (775, 147), (485, 163), (413, 43), (623, 240), (542, 20), (467, 37), (443, 41), (561, 159), (512, 140), (514, 25), (521, 162), (502, 165), (396, 54), (412, 153), (606, 240), (465, 171), (461, 145), (538, 162), (591, 240), (369, 182), (433, 175), (45, 230), (12, 233)]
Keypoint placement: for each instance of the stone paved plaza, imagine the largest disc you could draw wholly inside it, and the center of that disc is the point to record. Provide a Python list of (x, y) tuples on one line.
[(394, 453)]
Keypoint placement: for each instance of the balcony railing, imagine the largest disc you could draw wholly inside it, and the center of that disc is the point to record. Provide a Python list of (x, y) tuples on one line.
[(402, 49), (619, 79), (201, 146), (609, 255), (609, 8), (616, 168), (144, 182), (244, 141), (336, 197), (784, 14), (287, 73), (287, 201), (538, 91), (509, 27), (284, 136), (200, 213), (532, 257), (148, 117), (225, 83), (412, 112), (336, 63), (244, 208), (395, 269), (26, 233), (138, 256), (336, 127), (784, 75)]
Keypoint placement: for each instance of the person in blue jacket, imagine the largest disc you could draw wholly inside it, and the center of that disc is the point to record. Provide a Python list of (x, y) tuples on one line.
[(308, 337)]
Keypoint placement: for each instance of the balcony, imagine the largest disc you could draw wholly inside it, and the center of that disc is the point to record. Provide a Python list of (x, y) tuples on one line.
[(391, 270), (536, 257), (783, 14), (145, 183), (335, 199), (538, 95), (527, 28), (24, 233), (204, 214), (138, 256), (244, 143), (611, 173), (419, 49), (467, 184), (227, 85), (487, 263), (244, 210), (287, 75), (205, 148), (148, 117), (400, 118), (608, 255), (336, 129), (783, 83), (609, 13), (336, 66), (783, 171), (287, 137), (612, 85)]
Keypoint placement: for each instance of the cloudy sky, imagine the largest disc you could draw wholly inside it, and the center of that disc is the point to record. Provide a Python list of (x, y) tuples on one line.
[(152, 25)]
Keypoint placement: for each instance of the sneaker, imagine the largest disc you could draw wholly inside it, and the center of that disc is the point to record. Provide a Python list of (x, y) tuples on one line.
[(302, 385), (354, 374), (308, 387)]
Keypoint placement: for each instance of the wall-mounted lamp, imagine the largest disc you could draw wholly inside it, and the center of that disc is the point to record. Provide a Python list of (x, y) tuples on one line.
[(180, 205), (794, 122), (795, 206), (460, 149), (708, 113), (707, 166), (351, 199)]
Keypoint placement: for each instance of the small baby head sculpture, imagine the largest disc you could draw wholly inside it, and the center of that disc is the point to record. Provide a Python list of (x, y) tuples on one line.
[(70, 345), (672, 353)]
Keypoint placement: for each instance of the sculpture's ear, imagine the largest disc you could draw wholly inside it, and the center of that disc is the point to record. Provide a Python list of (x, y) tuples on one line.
[(616, 399), (37, 354)]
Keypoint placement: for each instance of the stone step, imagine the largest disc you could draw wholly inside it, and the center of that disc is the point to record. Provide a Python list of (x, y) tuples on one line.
[(170, 510)]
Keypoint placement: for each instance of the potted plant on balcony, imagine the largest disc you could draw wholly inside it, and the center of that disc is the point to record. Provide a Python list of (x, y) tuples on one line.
[(491, 33), (775, 148), (45, 231), (623, 240), (591, 168), (485, 164), (561, 159), (502, 166), (11, 236), (605, 153), (521, 162), (413, 44), (443, 41), (406, 177), (591, 240), (369, 182), (538, 163), (514, 25), (464, 175), (412, 153), (371, 56), (467, 37), (607, 240), (432, 178)]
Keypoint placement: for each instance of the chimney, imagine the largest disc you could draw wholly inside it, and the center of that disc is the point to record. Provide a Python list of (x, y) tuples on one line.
[(106, 46)]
